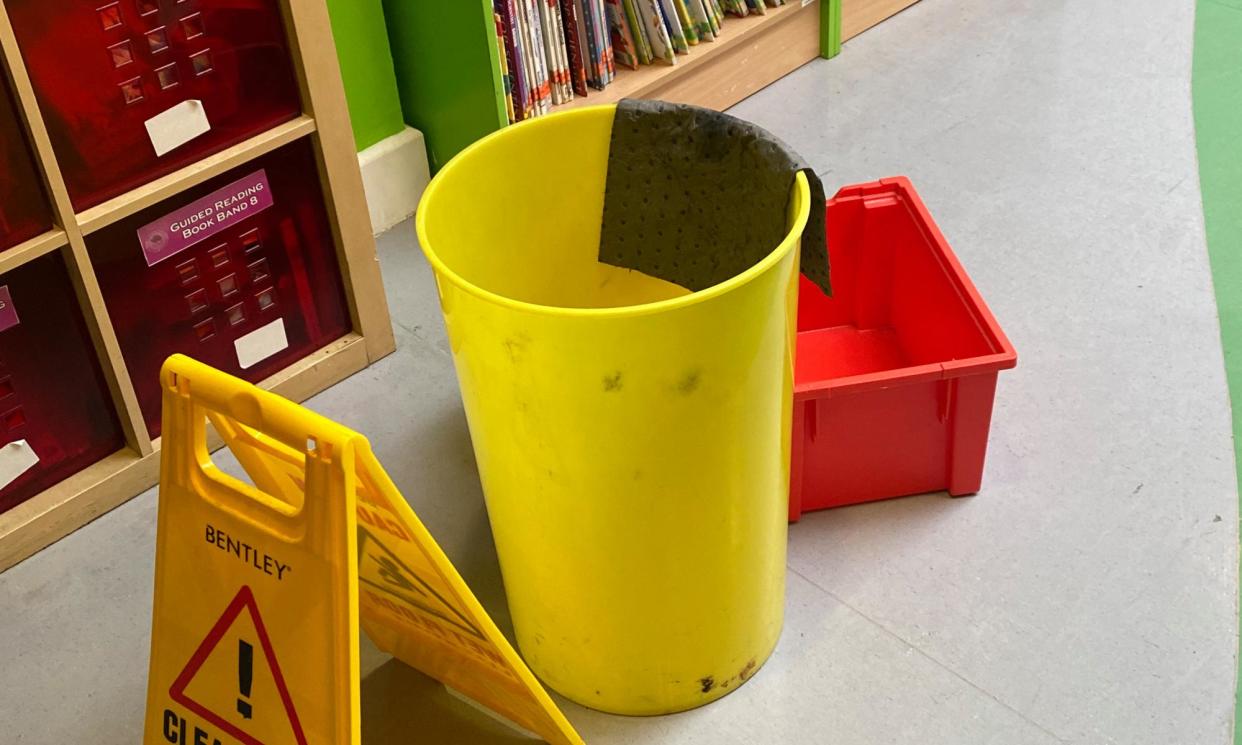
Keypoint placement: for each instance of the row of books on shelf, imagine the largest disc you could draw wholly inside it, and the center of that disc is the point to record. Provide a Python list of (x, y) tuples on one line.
[(554, 50)]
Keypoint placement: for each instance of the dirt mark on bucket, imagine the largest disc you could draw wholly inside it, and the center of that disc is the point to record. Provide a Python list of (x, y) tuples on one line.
[(708, 684), (516, 346), (690, 383)]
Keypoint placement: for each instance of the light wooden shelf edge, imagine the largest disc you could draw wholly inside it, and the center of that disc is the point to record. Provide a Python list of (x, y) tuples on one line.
[(37, 523), (144, 196), (29, 250), (58, 511), (738, 36), (341, 178)]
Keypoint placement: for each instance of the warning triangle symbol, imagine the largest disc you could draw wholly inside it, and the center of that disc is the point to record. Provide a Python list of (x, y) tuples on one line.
[(248, 711), (381, 569)]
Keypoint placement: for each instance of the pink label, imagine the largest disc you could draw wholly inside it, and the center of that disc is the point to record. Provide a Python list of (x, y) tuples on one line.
[(8, 314), (219, 210)]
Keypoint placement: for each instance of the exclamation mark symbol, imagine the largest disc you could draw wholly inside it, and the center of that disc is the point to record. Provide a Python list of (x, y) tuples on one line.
[(245, 676)]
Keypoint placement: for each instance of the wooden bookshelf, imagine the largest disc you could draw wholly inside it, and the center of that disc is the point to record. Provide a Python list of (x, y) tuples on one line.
[(448, 65), (750, 54), (324, 123)]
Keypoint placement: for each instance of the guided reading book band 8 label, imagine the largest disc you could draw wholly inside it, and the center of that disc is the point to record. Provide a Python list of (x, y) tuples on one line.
[(24, 211), (240, 273), (134, 89), (56, 416)]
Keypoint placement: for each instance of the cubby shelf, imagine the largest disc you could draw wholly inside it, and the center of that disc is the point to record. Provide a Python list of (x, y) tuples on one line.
[(324, 124)]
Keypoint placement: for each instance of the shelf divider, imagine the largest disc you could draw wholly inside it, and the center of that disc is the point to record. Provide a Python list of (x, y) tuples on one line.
[(119, 208)]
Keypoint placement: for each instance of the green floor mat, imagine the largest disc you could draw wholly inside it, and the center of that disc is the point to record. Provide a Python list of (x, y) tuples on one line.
[(1218, 126)]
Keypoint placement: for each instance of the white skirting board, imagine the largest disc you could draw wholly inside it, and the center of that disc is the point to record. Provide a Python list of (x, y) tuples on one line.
[(394, 174)]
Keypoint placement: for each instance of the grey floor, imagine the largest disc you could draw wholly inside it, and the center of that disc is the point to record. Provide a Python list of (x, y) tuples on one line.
[(1088, 595)]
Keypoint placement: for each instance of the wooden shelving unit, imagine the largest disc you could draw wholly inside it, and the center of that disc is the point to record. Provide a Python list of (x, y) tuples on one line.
[(127, 204), (754, 52), (55, 512), (751, 53), (446, 56), (449, 68)]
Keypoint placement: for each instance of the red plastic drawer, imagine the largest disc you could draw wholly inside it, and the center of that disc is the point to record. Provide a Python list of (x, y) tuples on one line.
[(56, 415), (240, 273), (896, 373), (24, 210), (117, 79)]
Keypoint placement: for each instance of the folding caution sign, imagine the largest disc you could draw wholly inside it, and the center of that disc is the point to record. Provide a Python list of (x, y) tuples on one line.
[(260, 589)]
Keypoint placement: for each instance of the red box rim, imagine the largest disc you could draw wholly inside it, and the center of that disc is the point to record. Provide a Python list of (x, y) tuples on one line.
[(1004, 355)]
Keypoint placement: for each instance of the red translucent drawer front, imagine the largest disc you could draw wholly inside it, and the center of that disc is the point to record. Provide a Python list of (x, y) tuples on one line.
[(103, 69), (55, 409), (251, 299), (24, 211)]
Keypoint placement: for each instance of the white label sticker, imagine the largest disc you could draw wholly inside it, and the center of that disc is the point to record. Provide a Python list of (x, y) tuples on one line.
[(16, 458), (261, 343), (173, 128)]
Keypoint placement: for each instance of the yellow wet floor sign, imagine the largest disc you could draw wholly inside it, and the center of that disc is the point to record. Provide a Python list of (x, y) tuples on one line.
[(260, 590)]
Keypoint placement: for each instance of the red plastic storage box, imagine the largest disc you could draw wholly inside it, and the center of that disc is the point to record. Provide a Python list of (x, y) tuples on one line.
[(134, 89), (24, 209), (896, 373), (56, 414), (240, 272)]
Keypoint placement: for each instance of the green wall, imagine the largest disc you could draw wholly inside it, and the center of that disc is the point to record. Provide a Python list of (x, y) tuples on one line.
[(367, 68), (447, 71)]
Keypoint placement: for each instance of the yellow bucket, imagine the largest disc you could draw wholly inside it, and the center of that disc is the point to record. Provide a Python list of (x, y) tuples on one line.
[(632, 437)]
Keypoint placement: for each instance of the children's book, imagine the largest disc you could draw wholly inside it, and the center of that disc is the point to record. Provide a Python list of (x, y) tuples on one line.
[(590, 45), (673, 25), (638, 31), (577, 64), (700, 19), (506, 78), (512, 46), (554, 44), (607, 61), (623, 49), (532, 44), (657, 31), (687, 23)]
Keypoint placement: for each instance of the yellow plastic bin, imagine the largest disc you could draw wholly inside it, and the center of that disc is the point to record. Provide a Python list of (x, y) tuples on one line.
[(632, 437)]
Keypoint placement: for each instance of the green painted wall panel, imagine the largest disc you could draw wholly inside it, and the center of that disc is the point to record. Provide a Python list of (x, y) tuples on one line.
[(447, 71), (367, 68)]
